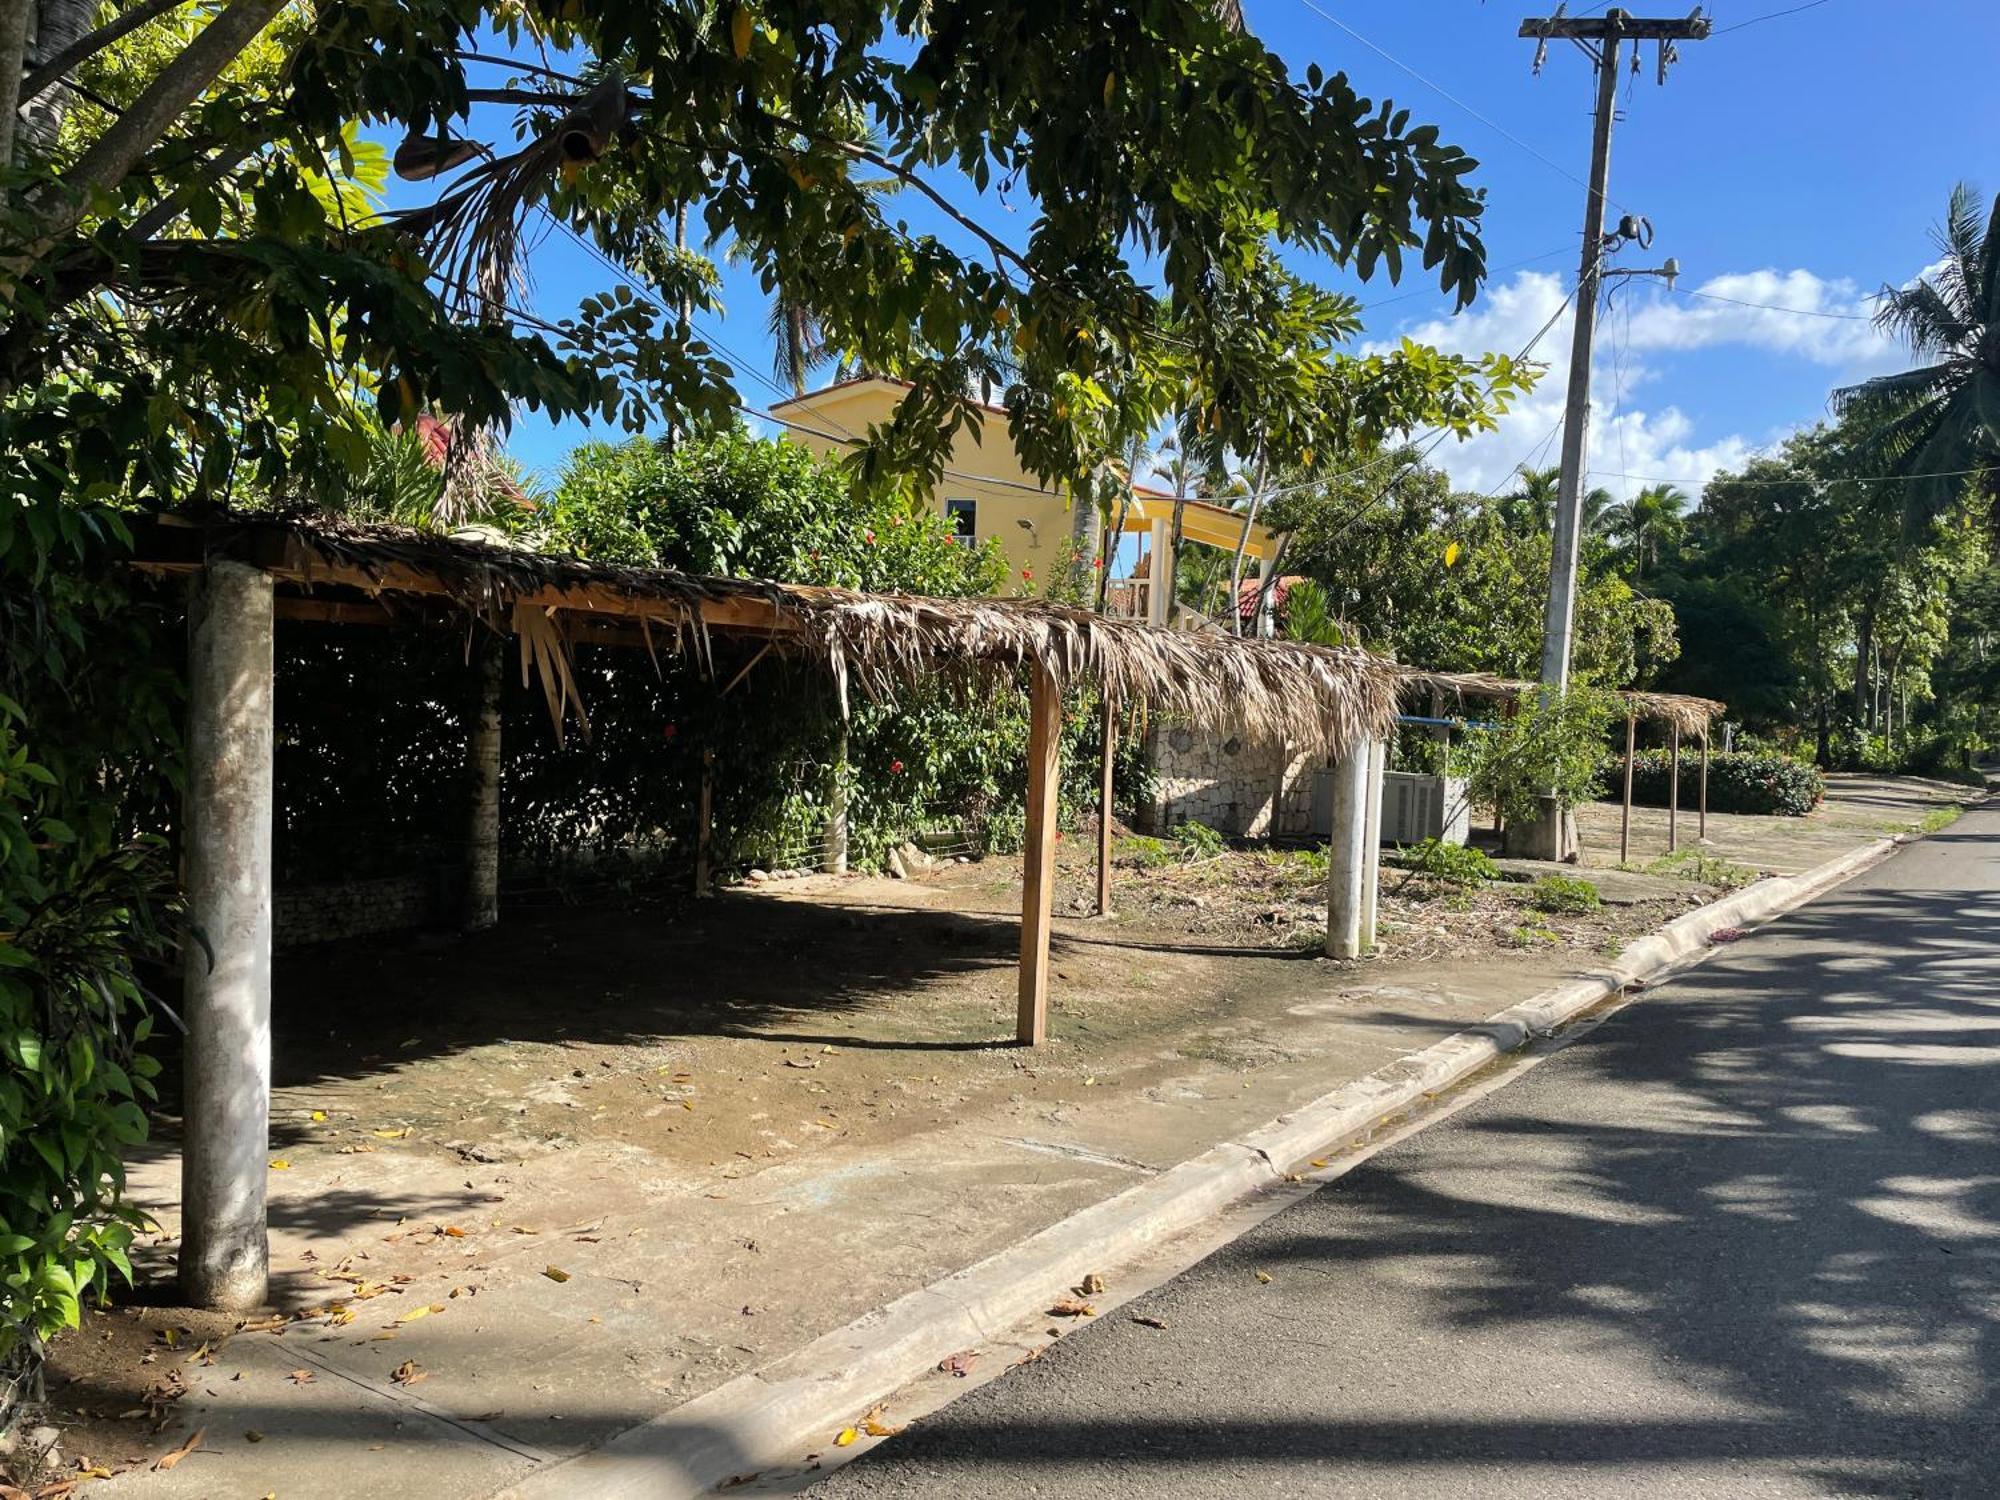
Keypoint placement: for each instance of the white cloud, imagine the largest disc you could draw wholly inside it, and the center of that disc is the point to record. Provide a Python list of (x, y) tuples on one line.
[(1639, 336)]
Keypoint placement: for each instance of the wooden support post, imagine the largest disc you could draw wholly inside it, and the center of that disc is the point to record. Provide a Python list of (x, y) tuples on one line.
[(833, 859), (482, 844), (1625, 815), (1371, 842), (1674, 794), (704, 816), (1704, 784), (1346, 861), (1109, 725), (225, 1250), (1038, 875)]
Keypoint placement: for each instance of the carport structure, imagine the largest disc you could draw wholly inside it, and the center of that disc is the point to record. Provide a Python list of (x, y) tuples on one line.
[(248, 572)]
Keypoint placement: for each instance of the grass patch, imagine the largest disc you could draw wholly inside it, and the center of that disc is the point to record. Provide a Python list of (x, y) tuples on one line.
[(1702, 868), (1534, 934), (1940, 818), (1565, 894)]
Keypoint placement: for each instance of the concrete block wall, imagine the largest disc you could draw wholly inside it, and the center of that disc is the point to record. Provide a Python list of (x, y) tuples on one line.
[(1239, 786), (322, 913)]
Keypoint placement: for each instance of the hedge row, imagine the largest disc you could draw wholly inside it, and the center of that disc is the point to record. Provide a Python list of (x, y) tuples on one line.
[(1737, 783)]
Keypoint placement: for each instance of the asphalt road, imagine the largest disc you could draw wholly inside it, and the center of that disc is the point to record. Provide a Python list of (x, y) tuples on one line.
[(1742, 1239)]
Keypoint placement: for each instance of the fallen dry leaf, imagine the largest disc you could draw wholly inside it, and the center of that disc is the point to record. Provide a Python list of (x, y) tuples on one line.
[(409, 1372), (959, 1364), (847, 1438), (1091, 1286), (1265, 1277), (452, 1231), (1145, 1322), (355, 1150), (318, 1115), (167, 1460), (555, 1273), (1072, 1307), (422, 1310), (253, 1436), (1322, 1165), (394, 1135), (279, 1164), (875, 1427), (300, 1377)]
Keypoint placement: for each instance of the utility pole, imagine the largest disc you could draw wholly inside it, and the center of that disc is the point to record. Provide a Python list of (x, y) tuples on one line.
[(1551, 835), (1608, 32)]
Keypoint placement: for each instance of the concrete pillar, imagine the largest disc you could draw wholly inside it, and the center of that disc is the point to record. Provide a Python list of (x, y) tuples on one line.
[(1160, 588), (833, 857), (224, 1258), (1346, 863), (482, 851), (1371, 839)]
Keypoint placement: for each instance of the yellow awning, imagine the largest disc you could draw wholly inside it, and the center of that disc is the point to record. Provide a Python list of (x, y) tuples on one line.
[(1211, 525)]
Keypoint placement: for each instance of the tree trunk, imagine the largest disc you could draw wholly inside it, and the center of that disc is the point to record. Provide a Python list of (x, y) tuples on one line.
[(59, 25), (16, 19), (1243, 541), (113, 155), (1864, 645)]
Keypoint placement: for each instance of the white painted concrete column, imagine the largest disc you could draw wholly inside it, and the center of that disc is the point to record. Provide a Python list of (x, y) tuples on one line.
[(224, 1253), (1160, 588), (1346, 863), (1371, 838)]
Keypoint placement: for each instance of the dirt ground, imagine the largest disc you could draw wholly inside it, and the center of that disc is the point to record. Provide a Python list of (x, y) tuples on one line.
[(530, 1187)]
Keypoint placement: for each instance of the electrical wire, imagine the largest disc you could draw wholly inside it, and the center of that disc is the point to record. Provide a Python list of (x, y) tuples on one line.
[(1803, 312), (1451, 98), (1771, 16), (1767, 483)]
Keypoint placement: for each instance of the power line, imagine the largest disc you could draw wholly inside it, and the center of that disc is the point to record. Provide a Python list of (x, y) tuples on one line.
[(1451, 98), (1831, 479), (1803, 312), (1771, 16)]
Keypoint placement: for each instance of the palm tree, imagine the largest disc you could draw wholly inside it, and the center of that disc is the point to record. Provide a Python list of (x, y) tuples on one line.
[(1641, 524), (1938, 426), (1530, 508)]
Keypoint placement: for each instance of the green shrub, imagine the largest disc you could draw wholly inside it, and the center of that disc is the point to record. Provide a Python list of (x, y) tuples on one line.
[(1147, 853), (88, 751), (1199, 841), (1448, 864), (1545, 746), (1565, 894), (1737, 783)]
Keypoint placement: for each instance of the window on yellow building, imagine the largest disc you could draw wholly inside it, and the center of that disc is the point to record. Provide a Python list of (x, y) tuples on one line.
[(964, 517)]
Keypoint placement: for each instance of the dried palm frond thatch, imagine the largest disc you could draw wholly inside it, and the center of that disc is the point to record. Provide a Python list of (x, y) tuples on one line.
[(879, 643)]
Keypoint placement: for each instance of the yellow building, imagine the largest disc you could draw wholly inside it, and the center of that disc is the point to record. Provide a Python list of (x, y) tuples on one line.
[(987, 493)]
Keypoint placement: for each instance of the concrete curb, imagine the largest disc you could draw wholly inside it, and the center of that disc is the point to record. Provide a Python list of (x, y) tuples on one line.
[(758, 1421)]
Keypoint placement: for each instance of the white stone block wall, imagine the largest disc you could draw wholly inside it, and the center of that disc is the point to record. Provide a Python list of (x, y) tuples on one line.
[(1237, 785)]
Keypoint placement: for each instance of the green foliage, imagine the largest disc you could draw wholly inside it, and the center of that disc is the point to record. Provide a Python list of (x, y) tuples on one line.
[(87, 747), (1399, 561), (1702, 868), (1146, 852), (1548, 746), (1739, 782), (1448, 864), (1567, 895), (1199, 841)]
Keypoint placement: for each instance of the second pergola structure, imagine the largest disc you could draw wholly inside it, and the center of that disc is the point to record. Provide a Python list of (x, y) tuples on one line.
[(1684, 715), (246, 573)]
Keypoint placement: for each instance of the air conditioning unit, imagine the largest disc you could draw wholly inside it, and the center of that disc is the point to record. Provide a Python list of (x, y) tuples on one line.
[(1414, 808)]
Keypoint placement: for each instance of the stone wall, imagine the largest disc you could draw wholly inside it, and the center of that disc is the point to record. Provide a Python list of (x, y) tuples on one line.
[(321, 913), (1239, 786)]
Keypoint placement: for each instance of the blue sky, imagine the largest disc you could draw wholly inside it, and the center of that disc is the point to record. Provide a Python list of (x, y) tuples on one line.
[(1797, 161)]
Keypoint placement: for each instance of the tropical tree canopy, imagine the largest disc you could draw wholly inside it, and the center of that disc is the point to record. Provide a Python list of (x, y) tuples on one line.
[(1938, 426), (189, 308)]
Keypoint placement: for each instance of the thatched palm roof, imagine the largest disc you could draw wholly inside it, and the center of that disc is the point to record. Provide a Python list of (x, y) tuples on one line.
[(877, 642), (1683, 711)]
